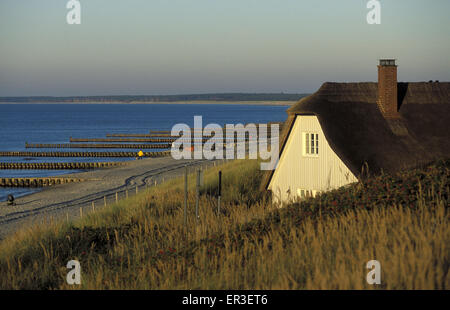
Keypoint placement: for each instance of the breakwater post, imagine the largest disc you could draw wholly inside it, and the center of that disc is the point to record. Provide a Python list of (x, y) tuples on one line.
[(81, 154), (59, 166), (98, 145), (36, 182), (148, 140)]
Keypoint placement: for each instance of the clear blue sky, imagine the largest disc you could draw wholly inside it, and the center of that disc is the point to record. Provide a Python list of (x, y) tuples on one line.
[(202, 46)]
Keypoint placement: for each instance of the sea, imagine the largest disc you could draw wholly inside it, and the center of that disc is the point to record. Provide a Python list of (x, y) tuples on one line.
[(55, 123)]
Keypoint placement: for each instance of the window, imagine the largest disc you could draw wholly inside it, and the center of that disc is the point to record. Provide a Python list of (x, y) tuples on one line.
[(310, 144), (301, 193), (306, 193)]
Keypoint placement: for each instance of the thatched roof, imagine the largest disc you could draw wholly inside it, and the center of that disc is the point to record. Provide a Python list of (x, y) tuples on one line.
[(358, 133)]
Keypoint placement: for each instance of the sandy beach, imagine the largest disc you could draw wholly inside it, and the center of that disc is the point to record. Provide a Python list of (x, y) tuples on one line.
[(64, 201)]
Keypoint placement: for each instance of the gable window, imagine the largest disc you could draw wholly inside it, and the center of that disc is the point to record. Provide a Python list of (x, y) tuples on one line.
[(310, 144), (306, 193)]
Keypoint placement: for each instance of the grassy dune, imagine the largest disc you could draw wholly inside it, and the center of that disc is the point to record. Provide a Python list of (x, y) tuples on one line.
[(322, 243)]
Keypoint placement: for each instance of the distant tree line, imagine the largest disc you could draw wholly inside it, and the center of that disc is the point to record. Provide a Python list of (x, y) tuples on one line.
[(162, 98)]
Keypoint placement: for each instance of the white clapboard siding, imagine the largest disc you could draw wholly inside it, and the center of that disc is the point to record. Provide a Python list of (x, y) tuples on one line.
[(316, 173)]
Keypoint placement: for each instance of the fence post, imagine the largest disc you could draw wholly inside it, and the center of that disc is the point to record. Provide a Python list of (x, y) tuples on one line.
[(185, 194), (93, 206), (104, 200), (220, 192), (197, 195), (117, 197), (136, 189), (81, 212), (126, 193)]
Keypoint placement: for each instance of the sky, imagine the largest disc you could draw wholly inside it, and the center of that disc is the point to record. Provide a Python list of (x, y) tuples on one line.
[(156, 47)]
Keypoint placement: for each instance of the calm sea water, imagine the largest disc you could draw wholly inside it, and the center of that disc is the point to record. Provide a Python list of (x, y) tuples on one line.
[(56, 123)]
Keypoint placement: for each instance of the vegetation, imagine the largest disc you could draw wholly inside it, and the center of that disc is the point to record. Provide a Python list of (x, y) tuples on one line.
[(321, 243)]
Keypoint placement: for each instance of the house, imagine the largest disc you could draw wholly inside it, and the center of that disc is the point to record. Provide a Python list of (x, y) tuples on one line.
[(343, 128)]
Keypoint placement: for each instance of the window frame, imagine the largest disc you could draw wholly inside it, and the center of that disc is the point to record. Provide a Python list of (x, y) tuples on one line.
[(310, 141), (307, 193)]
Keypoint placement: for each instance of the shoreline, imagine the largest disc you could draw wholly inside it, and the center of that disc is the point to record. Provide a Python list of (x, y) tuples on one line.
[(66, 201), (264, 103), (35, 190)]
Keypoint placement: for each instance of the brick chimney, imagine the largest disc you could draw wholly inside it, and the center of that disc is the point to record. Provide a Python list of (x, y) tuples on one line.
[(387, 88)]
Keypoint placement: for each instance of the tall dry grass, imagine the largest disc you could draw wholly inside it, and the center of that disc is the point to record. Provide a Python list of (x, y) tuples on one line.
[(142, 242)]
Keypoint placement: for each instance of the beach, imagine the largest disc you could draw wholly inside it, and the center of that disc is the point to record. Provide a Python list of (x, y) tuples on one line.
[(64, 201)]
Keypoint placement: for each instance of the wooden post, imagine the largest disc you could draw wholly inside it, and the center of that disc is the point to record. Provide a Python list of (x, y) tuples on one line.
[(117, 197), (185, 194), (197, 198), (81, 212), (93, 206), (220, 192), (126, 193), (136, 189), (104, 200)]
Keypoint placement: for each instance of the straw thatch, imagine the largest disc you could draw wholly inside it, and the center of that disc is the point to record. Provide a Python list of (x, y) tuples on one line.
[(359, 134)]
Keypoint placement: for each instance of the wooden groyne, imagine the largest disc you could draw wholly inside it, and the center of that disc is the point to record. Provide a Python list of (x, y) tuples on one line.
[(269, 125), (167, 133), (137, 135), (150, 140), (96, 145), (36, 182), (60, 166), (81, 154)]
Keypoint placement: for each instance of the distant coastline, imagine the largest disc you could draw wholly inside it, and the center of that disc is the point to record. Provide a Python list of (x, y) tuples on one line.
[(226, 98), (272, 103)]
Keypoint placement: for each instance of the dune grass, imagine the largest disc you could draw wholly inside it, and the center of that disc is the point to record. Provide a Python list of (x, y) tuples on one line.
[(322, 243)]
